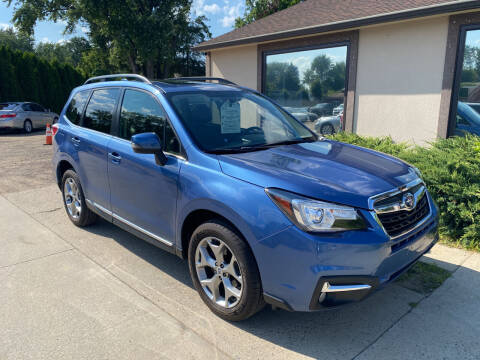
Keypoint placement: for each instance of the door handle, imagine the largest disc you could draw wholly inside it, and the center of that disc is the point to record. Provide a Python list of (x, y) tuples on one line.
[(76, 141), (115, 157)]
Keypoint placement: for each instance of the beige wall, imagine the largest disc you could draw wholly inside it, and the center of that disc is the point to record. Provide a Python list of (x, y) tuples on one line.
[(236, 64), (399, 79)]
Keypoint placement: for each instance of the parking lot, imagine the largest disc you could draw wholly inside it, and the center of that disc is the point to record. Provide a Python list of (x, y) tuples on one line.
[(102, 293)]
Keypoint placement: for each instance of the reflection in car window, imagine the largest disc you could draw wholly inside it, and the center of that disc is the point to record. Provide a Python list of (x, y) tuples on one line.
[(27, 107), (142, 113), (75, 108), (99, 113)]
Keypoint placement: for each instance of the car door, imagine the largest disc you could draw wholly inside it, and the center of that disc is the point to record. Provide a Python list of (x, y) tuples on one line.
[(144, 194), (40, 116), (90, 141), (28, 113)]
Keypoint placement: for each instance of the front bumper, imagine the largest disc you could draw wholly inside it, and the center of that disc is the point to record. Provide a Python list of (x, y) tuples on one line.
[(295, 266)]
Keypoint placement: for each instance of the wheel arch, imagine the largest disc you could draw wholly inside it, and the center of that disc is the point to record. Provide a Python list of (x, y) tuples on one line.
[(62, 166)]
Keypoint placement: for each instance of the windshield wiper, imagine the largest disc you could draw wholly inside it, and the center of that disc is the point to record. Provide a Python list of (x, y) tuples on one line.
[(243, 149)]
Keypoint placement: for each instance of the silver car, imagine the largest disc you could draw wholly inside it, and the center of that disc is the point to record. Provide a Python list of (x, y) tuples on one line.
[(328, 125), (25, 115)]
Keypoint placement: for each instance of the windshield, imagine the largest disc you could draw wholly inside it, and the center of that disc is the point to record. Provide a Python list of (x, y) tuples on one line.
[(229, 121), (8, 106)]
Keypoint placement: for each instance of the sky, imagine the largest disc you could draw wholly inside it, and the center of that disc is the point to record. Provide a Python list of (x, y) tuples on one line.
[(221, 16)]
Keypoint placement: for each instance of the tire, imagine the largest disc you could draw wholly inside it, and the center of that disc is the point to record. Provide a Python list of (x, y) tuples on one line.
[(327, 129), (74, 200), (27, 126), (235, 308)]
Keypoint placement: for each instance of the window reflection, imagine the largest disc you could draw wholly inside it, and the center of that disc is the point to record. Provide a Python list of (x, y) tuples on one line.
[(310, 84), (467, 118)]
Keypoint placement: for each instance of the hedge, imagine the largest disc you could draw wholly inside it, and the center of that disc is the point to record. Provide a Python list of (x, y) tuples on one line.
[(26, 77), (451, 170)]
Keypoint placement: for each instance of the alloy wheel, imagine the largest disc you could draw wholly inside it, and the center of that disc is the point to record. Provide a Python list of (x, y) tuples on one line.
[(72, 198), (218, 272)]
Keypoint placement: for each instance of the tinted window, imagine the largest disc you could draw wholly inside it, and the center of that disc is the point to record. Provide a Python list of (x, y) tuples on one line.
[(27, 107), (99, 113), (36, 107), (75, 108), (8, 106), (141, 113)]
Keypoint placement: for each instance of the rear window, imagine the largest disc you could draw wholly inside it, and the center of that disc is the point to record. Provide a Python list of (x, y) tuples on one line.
[(75, 108), (99, 112), (8, 106)]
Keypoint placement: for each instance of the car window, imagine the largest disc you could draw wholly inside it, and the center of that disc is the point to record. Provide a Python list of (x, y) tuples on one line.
[(8, 106), (37, 108), (141, 113), (100, 108), (75, 108), (461, 120), (27, 107)]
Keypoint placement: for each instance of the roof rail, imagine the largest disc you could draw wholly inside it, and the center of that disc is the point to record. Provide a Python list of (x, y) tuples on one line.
[(203, 78), (116, 76)]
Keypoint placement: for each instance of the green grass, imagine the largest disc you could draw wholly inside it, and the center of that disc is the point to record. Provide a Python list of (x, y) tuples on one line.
[(423, 278)]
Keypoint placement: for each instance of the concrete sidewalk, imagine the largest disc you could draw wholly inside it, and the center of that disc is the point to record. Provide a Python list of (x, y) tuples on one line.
[(101, 293)]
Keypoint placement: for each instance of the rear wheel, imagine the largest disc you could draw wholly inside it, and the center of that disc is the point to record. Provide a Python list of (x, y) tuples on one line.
[(74, 200), (224, 272), (27, 126)]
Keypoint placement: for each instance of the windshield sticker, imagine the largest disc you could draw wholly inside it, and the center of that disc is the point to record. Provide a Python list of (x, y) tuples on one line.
[(230, 118)]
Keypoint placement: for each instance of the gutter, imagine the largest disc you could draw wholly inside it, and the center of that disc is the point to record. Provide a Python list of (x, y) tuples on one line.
[(452, 6)]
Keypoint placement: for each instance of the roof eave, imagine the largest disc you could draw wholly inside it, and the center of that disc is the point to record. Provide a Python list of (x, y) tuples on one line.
[(348, 24)]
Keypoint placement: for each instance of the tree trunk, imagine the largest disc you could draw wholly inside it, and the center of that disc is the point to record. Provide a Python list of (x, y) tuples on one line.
[(132, 63), (150, 68)]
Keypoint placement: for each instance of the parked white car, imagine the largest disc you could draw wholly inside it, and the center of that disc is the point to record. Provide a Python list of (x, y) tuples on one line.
[(25, 115)]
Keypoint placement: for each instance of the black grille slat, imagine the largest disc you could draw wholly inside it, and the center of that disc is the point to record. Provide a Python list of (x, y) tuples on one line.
[(401, 221)]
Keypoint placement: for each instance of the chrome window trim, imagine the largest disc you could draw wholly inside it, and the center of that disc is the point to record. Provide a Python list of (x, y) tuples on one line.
[(132, 225)]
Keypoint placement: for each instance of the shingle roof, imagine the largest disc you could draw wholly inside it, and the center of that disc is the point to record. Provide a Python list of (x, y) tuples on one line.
[(314, 16)]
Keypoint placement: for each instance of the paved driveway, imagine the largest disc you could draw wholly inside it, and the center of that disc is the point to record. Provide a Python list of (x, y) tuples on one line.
[(101, 293)]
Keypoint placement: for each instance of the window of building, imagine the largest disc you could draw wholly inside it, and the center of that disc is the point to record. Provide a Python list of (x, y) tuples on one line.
[(466, 103), (99, 112), (141, 113), (310, 84)]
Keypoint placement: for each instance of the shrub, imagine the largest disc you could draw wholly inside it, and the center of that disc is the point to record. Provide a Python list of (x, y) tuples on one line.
[(451, 170)]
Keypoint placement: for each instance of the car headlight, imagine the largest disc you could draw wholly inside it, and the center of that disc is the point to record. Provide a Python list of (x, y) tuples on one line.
[(316, 216)]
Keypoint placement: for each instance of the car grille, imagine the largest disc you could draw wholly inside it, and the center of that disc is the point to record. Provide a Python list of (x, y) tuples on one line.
[(399, 222)]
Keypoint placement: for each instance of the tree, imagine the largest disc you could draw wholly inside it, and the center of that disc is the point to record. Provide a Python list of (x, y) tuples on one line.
[(69, 52), (16, 41), (282, 76), (150, 35), (257, 9), (316, 89)]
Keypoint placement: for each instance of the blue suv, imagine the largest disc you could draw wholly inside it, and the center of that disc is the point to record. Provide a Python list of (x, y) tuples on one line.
[(263, 209)]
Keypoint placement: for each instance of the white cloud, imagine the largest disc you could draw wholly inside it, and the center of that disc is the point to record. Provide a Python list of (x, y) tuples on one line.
[(84, 29), (45, 40), (231, 13), (61, 41), (5, 26), (214, 8)]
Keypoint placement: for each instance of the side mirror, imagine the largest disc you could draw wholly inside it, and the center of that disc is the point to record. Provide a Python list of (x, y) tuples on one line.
[(149, 143)]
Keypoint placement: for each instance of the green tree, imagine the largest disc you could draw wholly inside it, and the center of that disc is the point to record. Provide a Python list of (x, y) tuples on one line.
[(15, 40), (257, 9), (316, 89), (69, 52), (282, 76), (151, 35)]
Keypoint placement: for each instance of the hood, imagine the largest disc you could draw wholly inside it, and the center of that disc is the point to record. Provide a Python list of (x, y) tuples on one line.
[(325, 170)]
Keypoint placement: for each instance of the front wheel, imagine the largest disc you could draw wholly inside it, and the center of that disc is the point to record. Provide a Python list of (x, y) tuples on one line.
[(224, 272), (327, 129)]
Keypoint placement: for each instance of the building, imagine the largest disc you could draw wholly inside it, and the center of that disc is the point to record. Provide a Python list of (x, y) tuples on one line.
[(398, 66)]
